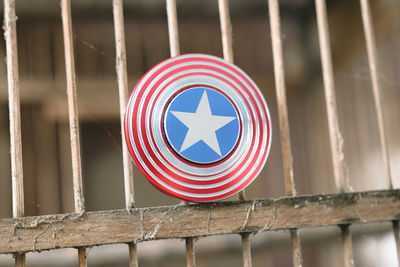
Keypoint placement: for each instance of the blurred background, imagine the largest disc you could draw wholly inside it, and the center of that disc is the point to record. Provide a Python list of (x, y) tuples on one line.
[(45, 130)]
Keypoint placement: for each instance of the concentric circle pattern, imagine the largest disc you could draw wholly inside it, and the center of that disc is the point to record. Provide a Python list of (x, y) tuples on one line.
[(198, 128)]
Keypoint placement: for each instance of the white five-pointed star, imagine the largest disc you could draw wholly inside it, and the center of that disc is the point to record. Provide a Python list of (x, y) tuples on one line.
[(202, 125)]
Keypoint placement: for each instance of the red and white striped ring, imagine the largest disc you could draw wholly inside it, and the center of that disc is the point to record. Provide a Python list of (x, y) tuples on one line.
[(152, 153)]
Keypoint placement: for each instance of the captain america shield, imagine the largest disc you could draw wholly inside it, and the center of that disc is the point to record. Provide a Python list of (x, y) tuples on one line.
[(198, 128)]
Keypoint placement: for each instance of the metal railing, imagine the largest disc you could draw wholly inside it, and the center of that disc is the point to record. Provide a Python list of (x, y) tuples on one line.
[(22, 234)]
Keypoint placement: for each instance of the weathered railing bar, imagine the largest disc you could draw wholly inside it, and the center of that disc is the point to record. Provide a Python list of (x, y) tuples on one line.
[(246, 250), (335, 136), (226, 29), (173, 34), (396, 233), (279, 72), (72, 106), (377, 92), (227, 47), (286, 147), (181, 221), (173, 28), (347, 245), (133, 255), (296, 248), (336, 140), (376, 87), (190, 256), (79, 199), (122, 75), (82, 257), (10, 34)]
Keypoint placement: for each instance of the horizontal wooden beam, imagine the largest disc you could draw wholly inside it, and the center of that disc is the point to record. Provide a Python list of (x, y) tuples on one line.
[(142, 224)]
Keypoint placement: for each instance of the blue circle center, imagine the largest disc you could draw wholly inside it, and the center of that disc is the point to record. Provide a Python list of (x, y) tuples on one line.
[(201, 125)]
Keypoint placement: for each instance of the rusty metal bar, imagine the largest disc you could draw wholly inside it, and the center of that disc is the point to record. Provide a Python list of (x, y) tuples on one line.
[(226, 35), (72, 106), (377, 91), (279, 72), (133, 256), (122, 74), (79, 200), (296, 248), (376, 86), (226, 29), (347, 245), (396, 233), (246, 247), (82, 257), (336, 138), (286, 147), (10, 34), (173, 34), (173, 28), (190, 256)]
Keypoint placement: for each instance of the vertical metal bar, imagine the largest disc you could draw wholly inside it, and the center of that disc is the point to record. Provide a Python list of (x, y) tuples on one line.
[(347, 245), (281, 96), (72, 106), (397, 239), (226, 35), (173, 28), (133, 256), (123, 96), (175, 51), (122, 74), (226, 29), (336, 138), (246, 250), (296, 248), (286, 147), (10, 35), (79, 200), (242, 195), (82, 257), (20, 260), (190, 258), (376, 88)]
